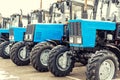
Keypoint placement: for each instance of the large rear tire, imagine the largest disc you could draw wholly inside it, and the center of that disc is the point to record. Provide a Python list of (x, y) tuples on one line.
[(39, 56), (60, 63), (19, 54), (5, 50), (103, 65)]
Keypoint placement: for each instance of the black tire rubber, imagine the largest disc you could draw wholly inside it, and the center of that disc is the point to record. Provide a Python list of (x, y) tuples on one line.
[(3, 54), (14, 54), (52, 62), (95, 61), (35, 56), (84, 61)]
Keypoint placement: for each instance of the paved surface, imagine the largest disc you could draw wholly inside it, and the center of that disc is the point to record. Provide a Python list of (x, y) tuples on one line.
[(9, 71)]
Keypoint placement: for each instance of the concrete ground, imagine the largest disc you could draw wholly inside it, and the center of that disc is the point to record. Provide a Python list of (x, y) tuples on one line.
[(9, 71)]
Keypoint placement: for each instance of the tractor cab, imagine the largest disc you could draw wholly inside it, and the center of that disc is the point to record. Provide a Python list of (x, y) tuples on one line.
[(39, 16)]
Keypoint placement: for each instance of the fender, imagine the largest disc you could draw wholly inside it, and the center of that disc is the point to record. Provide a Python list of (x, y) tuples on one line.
[(2, 39), (52, 42), (114, 49)]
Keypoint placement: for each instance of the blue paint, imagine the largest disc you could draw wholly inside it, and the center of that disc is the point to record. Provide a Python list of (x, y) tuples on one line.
[(89, 28), (18, 33), (48, 31), (4, 30)]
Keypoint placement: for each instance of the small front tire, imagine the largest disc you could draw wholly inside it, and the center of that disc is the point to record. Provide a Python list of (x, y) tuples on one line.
[(19, 54), (5, 50), (39, 56), (60, 63)]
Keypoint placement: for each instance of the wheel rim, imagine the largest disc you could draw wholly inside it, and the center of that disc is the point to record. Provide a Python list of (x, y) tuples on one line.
[(7, 49), (107, 69), (44, 57), (63, 61), (23, 54)]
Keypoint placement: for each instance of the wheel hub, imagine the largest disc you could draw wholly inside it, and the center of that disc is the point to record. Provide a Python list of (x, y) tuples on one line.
[(24, 55), (7, 49), (64, 61), (107, 69), (44, 56)]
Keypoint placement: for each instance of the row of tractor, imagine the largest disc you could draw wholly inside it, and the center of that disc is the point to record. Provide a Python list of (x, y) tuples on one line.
[(56, 39)]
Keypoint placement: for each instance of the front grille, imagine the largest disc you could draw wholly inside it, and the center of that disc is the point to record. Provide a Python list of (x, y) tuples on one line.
[(75, 28), (30, 29), (29, 32), (11, 31)]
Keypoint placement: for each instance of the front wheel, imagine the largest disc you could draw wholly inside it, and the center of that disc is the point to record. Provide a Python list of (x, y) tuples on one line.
[(19, 54), (5, 50), (39, 56), (60, 63), (102, 66)]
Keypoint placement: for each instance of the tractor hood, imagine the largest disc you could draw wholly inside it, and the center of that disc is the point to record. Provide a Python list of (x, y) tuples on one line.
[(4, 30), (17, 33), (87, 29), (44, 31)]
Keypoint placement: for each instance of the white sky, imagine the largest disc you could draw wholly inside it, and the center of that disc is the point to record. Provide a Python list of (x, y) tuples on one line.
[(8, 7)]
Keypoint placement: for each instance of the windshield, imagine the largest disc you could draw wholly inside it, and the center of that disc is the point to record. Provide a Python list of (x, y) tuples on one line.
[(61, 11), (15, 21), (24, 21), (39, 16), (55, 14), (78, 8), (5, 23), (34, 18)]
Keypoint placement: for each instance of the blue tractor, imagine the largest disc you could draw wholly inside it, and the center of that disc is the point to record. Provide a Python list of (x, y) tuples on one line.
[(17, 27), (4, 31), (95, 42), (19, 53), (40, 52)]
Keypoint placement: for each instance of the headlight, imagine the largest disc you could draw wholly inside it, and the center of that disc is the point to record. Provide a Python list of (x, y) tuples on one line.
[(11, 37), (109, 37), (28, 36), (71, 39), (79, 41)]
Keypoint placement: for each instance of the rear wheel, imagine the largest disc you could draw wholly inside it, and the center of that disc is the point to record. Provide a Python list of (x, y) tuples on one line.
[(102, 66), (39, 56), (19, 54), (5, 50), (60, 63)]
